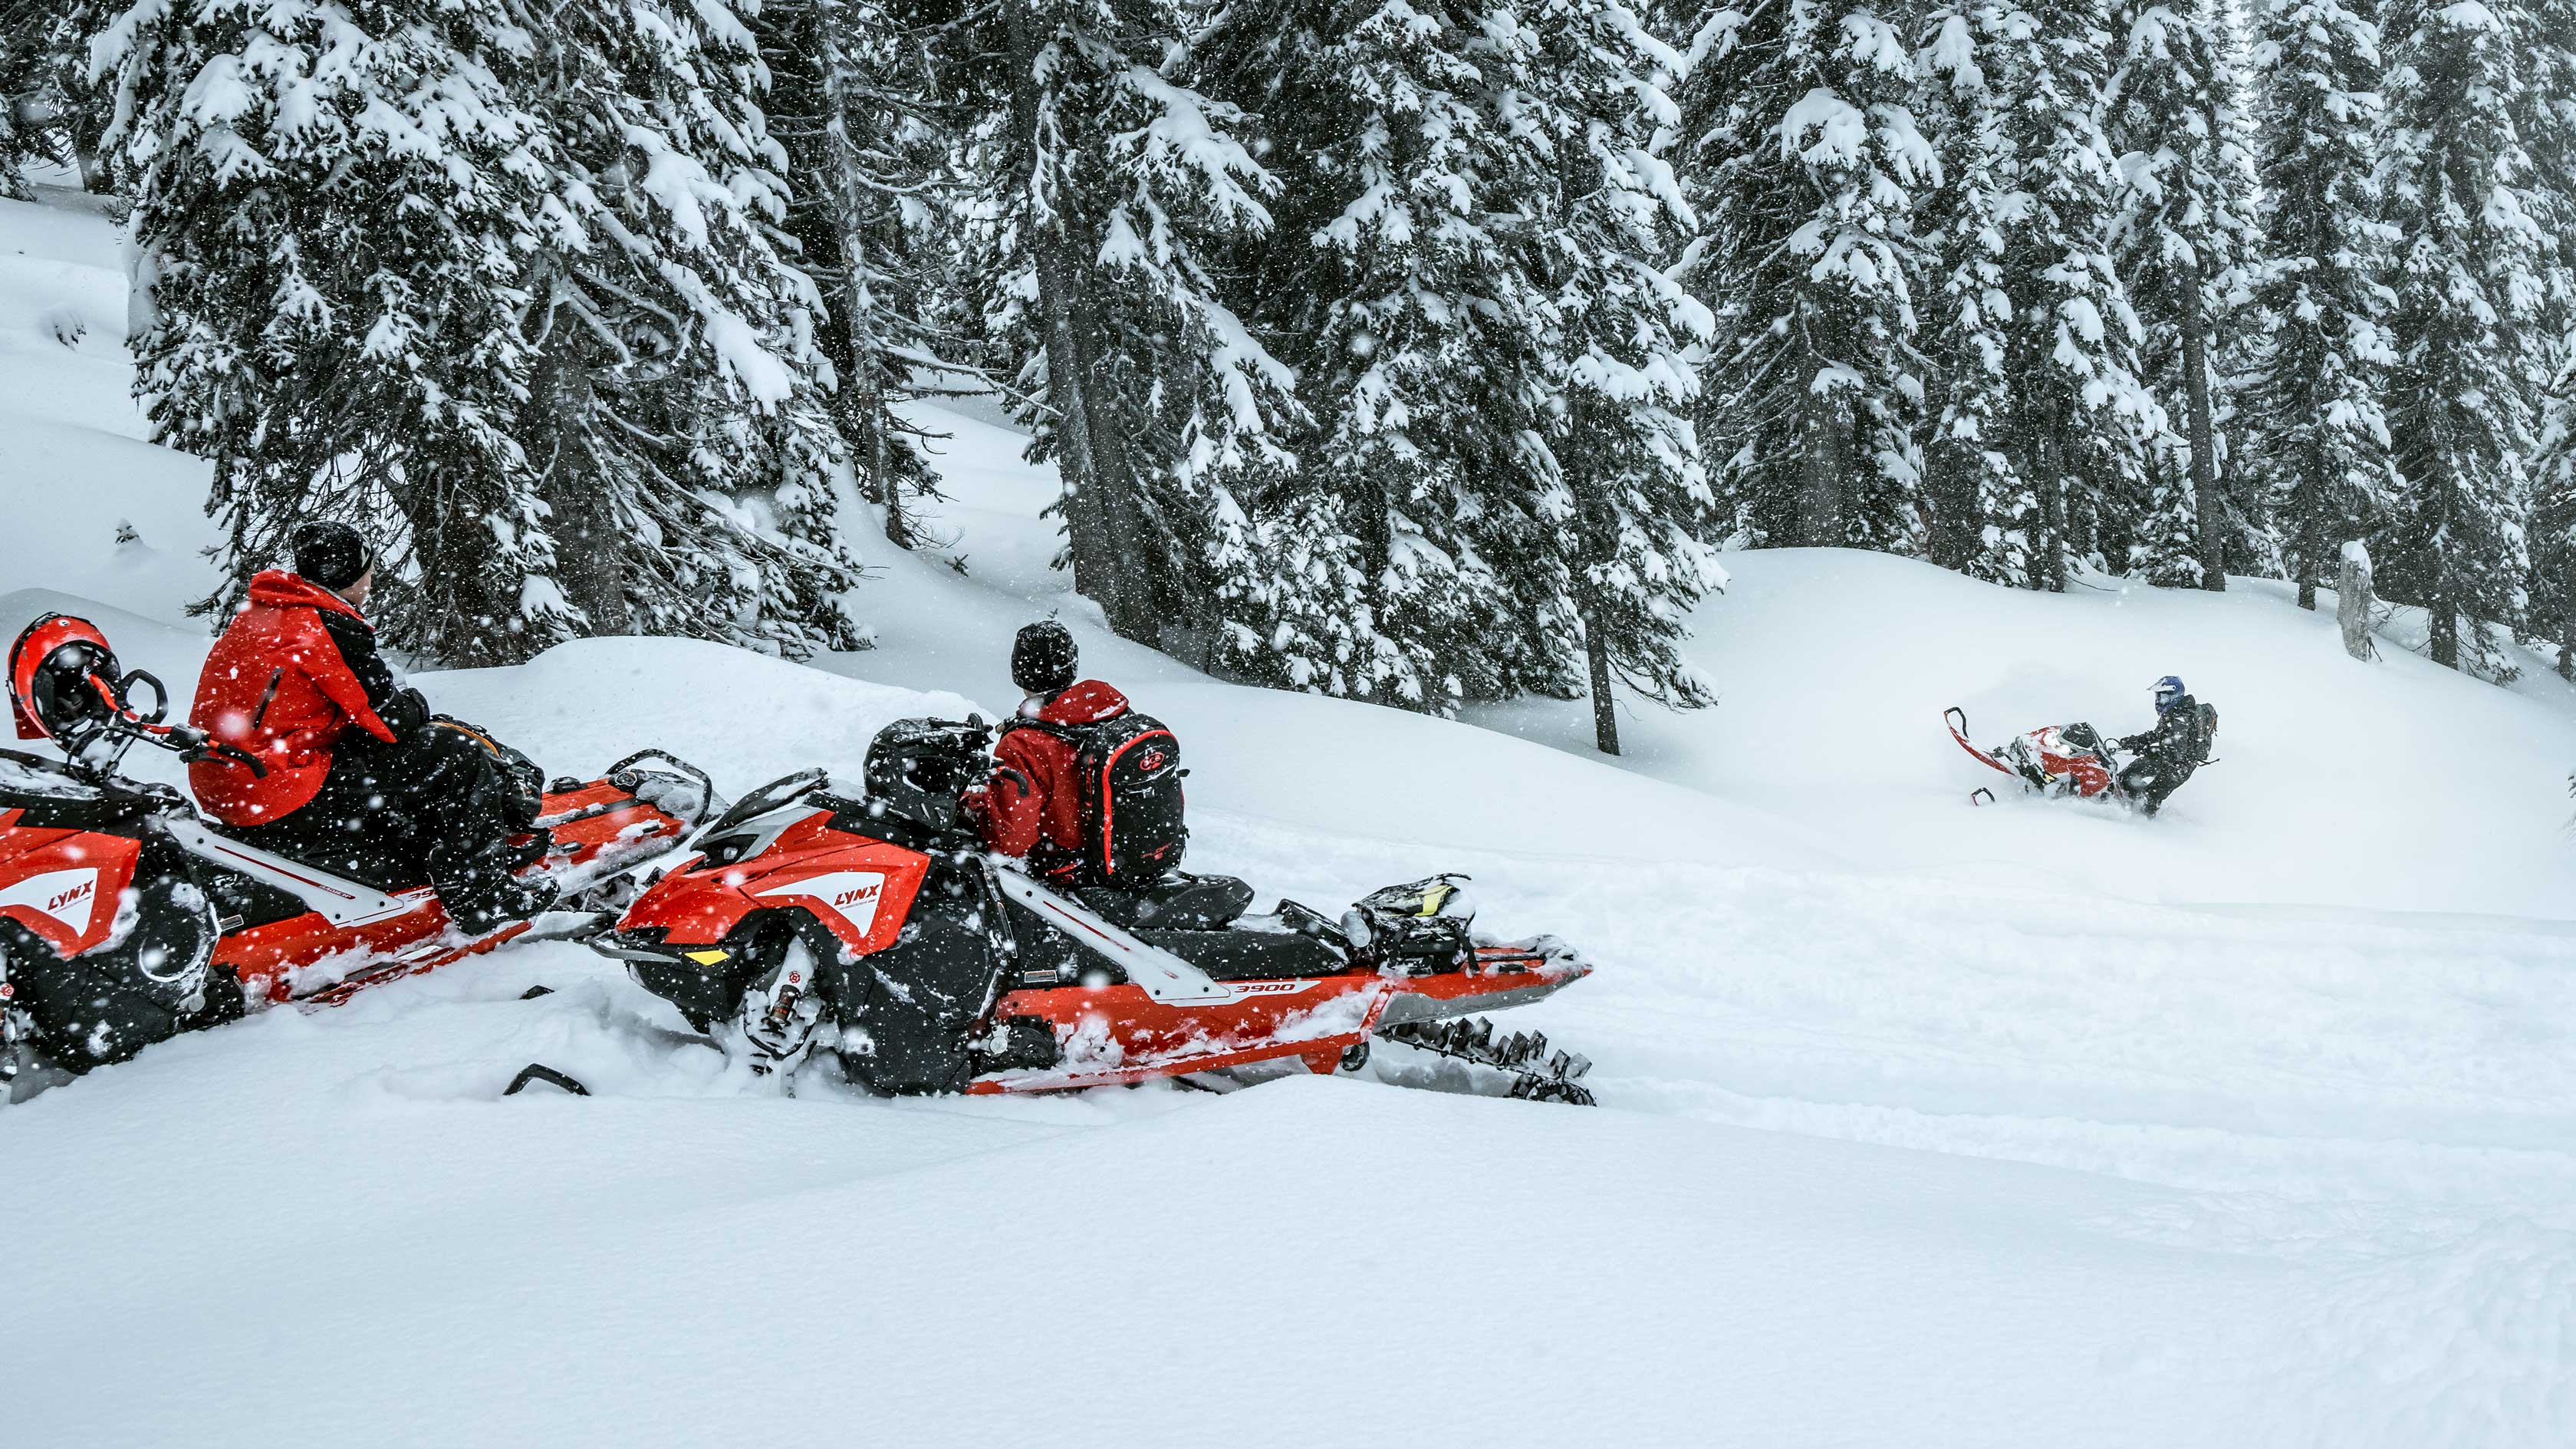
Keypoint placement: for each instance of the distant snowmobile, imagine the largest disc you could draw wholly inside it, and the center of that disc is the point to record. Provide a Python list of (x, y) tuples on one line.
[(2053, 760)]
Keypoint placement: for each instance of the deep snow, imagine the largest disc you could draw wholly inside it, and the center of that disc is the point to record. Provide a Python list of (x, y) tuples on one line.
[(1923, 1125)]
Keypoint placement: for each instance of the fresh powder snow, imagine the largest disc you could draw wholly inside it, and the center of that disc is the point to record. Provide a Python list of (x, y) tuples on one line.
[(1921, 1124)]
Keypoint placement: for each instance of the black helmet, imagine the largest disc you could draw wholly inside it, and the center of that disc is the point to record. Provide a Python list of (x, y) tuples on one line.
[(1043, 658), (331, 554)]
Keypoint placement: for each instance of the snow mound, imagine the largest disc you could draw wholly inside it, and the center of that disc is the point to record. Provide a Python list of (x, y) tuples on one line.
[(745, 717)]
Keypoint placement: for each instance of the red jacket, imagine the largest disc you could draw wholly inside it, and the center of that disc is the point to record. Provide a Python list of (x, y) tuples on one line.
[(1048, 811), (281, 683)]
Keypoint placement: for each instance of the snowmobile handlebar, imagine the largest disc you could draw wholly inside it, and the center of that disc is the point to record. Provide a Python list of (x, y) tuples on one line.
[(214, 749), (186, 741)]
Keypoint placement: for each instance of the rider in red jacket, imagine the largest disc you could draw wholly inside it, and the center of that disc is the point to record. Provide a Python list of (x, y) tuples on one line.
[(283, 685), (362, 780), (1032, 806)]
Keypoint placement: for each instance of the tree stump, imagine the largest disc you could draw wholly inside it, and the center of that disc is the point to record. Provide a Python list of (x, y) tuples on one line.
[(2353, 602)]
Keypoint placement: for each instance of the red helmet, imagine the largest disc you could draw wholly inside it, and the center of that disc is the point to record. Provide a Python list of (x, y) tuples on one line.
[(50, 671)]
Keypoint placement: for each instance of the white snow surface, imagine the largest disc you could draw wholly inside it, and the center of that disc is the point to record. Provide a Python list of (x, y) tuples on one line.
[(1922, 1125)]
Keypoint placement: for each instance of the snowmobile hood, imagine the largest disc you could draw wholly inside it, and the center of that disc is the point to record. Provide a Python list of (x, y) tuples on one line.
[(1088, 702), (281, 590)]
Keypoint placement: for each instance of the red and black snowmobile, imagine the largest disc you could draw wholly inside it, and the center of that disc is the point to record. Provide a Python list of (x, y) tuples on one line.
[(878, 928), (2055, 760), (126, 916)]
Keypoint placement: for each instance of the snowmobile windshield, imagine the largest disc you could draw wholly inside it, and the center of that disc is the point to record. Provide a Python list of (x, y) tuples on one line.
[(784, 791)]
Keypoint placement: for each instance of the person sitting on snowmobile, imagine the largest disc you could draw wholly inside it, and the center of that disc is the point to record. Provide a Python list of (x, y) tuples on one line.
[(1085, 788), (2167, 752), (362, 779)]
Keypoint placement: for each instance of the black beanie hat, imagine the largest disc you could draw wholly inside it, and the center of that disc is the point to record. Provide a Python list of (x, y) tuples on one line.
[(1043, 658), (331, 554)]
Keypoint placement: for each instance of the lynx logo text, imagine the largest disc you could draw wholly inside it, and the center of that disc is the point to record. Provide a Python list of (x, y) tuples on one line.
[(852, 895), (69, 896)]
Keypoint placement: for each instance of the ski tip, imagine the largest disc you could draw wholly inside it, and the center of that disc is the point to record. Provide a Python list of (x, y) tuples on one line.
[(535, 1073)]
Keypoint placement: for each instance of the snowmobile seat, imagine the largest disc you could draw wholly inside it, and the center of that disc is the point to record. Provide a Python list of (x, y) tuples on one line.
[(392, 859), (1252, 955), (1177, 902)]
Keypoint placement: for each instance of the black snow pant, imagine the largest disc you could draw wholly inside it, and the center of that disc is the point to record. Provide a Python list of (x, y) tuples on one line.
[(440, 806), (2147, 782)]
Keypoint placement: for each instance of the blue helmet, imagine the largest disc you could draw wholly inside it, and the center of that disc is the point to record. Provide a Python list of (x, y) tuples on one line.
[(2169, 690)]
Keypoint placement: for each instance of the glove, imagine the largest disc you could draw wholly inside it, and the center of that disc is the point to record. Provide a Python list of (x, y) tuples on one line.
[(406, 713)]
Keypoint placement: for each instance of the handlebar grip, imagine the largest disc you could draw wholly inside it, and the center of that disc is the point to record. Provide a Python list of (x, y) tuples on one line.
[(196, 744), (245, 759)]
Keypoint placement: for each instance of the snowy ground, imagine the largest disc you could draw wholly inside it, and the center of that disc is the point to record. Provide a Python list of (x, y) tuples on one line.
[(2254, 1125)]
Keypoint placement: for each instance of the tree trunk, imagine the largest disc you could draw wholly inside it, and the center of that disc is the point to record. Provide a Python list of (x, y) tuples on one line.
[(2446, 626), (1596, 654), (1950, 487), (1826, 461), (2204, 450), (590, 546), (2052, 508), (2309, 503), (867, 357), (1090, 445), (2353, 602), (590, 554)]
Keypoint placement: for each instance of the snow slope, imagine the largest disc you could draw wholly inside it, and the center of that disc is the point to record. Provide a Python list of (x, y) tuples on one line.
[(1922, 1125), (2396, 785)]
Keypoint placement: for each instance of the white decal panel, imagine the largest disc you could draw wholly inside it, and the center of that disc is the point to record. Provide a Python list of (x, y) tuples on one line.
[(853, 895), (341, 902), (1166, 978), (69, 896)]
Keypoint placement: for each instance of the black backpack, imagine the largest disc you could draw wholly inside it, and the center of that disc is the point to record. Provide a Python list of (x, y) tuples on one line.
[(1128, 774), (2208, 732)]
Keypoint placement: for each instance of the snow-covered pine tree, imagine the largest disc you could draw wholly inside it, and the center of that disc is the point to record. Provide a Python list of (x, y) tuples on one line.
[(1111, 186), (2553, 521), (2546, 121), (1977, 500), (678, 423), (52, 110), (2321, 442), (30, 61), (854, 102), (1386, 287), (2080, 418), (2185, 235), (1613, 548), (331, 199), (2469, 283), (1802, 164)]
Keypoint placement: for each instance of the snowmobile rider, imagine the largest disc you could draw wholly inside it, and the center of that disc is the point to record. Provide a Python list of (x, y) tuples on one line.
[(2167, 752), (362, 779), (1032, 806)]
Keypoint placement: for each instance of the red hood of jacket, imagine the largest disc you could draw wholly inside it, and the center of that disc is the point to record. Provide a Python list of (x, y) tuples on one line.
[(1088, 702), (281, 590)]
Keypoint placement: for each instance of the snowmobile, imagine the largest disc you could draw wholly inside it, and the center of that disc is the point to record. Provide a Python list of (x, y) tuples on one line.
[(126, 916), (878, 928), (2054, 760)]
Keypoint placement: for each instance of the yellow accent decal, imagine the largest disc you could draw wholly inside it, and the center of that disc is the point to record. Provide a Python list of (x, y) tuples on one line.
[(1436, 897), (706, 958)]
